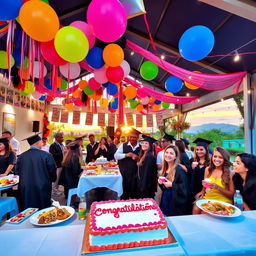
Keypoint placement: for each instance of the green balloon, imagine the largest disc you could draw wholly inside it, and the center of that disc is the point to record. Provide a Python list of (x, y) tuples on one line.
[(88, 90), (25, 63), (64, 85), (148, 70), (4, 60), (165, 105), (133, 104), (23, 93), (46, 1)]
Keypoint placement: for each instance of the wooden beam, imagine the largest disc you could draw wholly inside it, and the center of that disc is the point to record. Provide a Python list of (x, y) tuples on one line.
[(174, 51), (242, 8)]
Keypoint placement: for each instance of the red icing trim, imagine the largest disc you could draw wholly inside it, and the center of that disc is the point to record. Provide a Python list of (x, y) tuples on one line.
[(124, 228)]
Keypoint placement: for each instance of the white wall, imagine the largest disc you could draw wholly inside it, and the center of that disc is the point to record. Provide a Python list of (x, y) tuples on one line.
[(24, 118)]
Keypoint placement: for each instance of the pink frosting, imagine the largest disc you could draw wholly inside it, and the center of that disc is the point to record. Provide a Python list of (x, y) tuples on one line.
[(161, 222)]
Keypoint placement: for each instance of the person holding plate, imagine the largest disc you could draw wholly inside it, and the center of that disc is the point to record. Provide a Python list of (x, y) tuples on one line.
[(245, 179), (219, 185)]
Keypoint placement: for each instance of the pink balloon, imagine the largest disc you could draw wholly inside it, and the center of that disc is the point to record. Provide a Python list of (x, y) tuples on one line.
[(100, 75), (126, 67), (86, 29), (144, 101), (108, 19), (93, 84), (36, 95), (141, 93), (49, 53), (115, 74), (72, 68), (37, 68)]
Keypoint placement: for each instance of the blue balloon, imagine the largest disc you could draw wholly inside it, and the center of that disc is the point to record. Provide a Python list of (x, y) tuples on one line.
[(94, 58), (114, 105), (10, 9), (106, 84), (196, 43), (158, 102), (112, 89), (173, 84), (48, 84), (43, 97)]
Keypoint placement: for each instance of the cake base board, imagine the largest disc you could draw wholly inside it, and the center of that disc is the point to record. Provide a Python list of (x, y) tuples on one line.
[(85, 250)]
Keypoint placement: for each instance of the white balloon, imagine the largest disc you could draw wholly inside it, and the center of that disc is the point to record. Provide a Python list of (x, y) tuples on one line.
[(72, 68), (126, 68), (37, 68)]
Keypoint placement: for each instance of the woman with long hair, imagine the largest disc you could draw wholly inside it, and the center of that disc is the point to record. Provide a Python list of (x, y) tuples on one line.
[(147, 169), (198, 164), (219, 185), (7, 157), (184, 160), (71, 167), (245, 179), (102, 149), (173, 182)]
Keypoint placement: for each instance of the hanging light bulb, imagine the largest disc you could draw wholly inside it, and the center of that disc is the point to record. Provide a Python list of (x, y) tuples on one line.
[(132, 53), (162, 57), (236, 57)]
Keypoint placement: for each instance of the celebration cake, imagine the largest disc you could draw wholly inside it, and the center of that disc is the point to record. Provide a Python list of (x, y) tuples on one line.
[(125, 223), (101, 160)]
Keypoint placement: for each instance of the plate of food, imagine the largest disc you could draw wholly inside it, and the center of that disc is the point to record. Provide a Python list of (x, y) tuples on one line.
[(52, 216), (218, 208), (17, 219), (8, 181)]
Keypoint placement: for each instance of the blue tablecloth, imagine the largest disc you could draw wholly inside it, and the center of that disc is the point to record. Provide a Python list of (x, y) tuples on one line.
[(113, 182), (207, 235)]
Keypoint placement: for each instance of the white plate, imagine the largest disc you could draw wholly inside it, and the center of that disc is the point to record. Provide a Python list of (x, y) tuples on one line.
[(34, 220), (202, 201), (16, 181)]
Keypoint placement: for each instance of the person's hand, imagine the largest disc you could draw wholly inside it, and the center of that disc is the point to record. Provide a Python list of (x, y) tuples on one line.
[(168, 184), (130, 154), (199, 195), (194, 165), (2, 175), (135, 157), (213, 186), (160, 181)]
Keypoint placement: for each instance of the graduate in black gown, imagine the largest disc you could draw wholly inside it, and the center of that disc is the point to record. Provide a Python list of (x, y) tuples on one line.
[(90, 149), (127, 156), (245, 179), (37, 170), (112, 148), (175, 197), (71, 169), (184, 160), (102, 149), (198, 164), (147, 169)]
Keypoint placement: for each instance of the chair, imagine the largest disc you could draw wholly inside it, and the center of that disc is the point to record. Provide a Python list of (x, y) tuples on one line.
[(71, 192), (8, 205)]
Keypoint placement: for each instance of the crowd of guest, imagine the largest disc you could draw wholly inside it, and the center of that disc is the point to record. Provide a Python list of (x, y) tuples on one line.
[(166, 170)]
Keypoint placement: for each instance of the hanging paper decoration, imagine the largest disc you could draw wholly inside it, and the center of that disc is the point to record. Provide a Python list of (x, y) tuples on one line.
[(111, 120), (76, 117), (133, 7), (55, 114), (149, 120), (129, 119), (89, 118), (64, 116), (101, 119), (138, 120)]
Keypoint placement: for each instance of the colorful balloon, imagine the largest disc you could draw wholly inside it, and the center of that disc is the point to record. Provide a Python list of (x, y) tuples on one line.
[(94, 58), (100, 75), (10, 9), (93, 84), (37, 67), (108, 19), (70, 70), (82, 84), (103, 103), (148, 70), (115, 74), (165, 105), (112, 89), (196, 43), (191, 86), (126, 68), (130, 92), (113, 55), (88, 91), (71, 44), (4, 60), (173, 84), (39, 20)]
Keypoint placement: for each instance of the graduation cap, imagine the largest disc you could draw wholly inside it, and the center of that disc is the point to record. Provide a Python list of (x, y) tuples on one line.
[(33, 139), (185, 141), (73, 145), (4, 140), (150, 140), (202, 142), (168, 137), (80, 138), (134, 131)]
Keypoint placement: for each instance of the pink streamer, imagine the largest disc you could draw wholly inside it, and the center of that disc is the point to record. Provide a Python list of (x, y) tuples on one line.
[(148, 29), (204, 81), (120, 105), (22, 54)]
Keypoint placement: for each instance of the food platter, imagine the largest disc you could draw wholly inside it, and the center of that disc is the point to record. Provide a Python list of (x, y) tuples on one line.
[(8, 181), (218, 208), (35, 220), (20, 217)]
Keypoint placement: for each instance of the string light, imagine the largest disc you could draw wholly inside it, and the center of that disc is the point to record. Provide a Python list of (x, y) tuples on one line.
[(249, 91), (162, 57), (198, 100), (237, 57), (222, 100), (190, 77), (187, 94), (132, 53)]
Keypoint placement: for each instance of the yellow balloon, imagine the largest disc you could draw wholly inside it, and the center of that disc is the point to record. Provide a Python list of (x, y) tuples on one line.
[(103, 103), (168, 93)]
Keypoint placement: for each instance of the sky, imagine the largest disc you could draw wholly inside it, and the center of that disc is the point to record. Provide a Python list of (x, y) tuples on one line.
[(221, 112)]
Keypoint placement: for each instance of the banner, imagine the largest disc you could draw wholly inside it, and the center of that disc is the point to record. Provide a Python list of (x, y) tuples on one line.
[(138, 120), (159, 119), (64, 116), (111, 120), (149, 120), (55, 113), (89, 119), (76, 117), (101, 119), (129, 119)]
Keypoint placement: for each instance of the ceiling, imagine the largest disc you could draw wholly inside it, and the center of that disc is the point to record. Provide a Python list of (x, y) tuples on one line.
[(168, 19)]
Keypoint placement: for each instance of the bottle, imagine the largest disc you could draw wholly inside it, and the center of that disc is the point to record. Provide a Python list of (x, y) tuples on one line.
[(82, 208), (238, 200)]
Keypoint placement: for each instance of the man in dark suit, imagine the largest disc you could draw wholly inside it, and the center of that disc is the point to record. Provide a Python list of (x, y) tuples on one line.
[(37, 171), (91, 149), (57, 151)]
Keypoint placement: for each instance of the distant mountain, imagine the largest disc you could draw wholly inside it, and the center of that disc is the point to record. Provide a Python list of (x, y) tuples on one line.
[(227, 128)]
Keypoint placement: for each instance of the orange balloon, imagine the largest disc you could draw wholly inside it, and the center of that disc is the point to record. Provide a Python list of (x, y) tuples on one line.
[(95, 96), (156, 107), (25, 74), (82, 84), (69, 106), (192, 86), (168, 93), (113, 55), (139, 107), (39, 20), (77, 93), (103, 103), (152, 100), (130, 92)]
